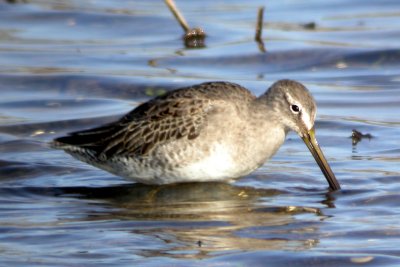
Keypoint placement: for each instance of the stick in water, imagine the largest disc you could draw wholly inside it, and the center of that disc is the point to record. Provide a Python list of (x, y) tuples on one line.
[(179, 17), (259, 26)]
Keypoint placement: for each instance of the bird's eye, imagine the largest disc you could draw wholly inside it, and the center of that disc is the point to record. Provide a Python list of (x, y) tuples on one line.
[(295, 108)]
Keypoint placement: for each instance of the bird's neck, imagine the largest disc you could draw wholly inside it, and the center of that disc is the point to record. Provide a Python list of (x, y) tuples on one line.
[(263, 109), (263, 106)]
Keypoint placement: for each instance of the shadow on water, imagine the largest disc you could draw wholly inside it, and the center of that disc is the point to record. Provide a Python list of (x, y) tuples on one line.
[(196, 220)]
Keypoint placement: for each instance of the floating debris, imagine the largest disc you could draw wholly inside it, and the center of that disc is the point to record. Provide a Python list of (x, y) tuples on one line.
[(38, 132), (309, 26), (195, 38), (357, 136), (361, 259)]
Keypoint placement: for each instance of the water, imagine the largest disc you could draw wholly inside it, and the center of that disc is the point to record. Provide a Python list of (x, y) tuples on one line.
[(68, 65)]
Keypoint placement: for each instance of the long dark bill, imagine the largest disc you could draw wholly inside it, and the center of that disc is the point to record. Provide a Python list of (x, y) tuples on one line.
[(312, 144)]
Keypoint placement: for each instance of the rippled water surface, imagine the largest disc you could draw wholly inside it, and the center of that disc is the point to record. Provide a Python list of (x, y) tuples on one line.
[(68, 65)]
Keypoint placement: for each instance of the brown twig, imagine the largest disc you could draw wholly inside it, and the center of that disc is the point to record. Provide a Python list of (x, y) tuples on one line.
[(179, 17), (259, 26)]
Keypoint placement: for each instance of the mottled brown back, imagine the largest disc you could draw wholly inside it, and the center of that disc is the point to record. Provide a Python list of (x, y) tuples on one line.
[(181, 113)]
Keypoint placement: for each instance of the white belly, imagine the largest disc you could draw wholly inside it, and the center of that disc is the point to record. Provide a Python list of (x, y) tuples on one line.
[(218, 166)]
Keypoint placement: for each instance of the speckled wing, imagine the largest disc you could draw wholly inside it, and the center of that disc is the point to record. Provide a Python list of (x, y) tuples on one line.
[(164, 120), (140, 131), (179, 114)]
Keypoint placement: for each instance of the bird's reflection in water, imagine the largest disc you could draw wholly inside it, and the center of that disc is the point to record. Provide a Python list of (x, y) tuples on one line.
[(197, 219)]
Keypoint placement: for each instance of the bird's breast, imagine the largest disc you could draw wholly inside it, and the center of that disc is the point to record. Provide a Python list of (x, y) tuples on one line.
[(218, 165)]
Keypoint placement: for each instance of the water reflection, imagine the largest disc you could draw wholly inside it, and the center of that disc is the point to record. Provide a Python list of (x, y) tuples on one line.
[(194, 220)]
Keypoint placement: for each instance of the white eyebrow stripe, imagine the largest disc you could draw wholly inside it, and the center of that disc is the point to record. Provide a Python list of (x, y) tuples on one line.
[(315, 114), (305, 117)]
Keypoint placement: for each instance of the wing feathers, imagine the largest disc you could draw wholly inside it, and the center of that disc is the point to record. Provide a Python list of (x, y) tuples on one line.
[(179, 114)]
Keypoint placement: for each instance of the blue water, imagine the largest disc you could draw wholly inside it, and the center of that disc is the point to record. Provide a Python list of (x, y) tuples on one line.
[(69, 65)]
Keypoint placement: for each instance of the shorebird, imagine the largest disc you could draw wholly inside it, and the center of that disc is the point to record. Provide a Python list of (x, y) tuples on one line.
[(214, 131)]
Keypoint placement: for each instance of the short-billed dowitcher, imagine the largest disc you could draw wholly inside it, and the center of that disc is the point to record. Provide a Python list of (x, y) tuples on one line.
[(213, 131)]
